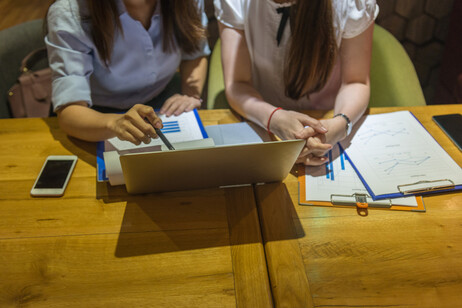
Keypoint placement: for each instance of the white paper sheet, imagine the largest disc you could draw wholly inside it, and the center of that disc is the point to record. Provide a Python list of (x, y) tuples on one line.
[(184, 127), (393, 149), (337, 177)]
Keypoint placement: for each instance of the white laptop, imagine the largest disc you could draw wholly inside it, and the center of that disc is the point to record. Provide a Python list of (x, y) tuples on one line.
[(209, 167)]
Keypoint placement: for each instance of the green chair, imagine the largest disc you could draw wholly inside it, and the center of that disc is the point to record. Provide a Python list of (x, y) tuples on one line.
[(394, 82), (16, 43)]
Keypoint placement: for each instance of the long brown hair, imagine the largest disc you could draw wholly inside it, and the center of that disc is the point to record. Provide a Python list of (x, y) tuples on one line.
[(181, 21), (313, 49)]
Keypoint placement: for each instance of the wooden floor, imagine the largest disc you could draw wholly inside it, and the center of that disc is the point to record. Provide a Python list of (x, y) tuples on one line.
[(13, 12)]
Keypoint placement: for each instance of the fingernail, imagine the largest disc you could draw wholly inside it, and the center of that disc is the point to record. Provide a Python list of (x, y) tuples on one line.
[(158, 125), (324, 129)]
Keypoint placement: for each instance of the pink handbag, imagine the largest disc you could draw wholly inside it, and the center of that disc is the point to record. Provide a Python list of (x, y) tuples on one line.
[(30, 96)]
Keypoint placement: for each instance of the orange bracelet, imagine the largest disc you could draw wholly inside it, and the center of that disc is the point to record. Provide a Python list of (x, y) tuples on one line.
[(269, 119)]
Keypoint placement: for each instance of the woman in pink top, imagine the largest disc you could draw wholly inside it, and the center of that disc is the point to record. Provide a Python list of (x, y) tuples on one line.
[(281, 56)]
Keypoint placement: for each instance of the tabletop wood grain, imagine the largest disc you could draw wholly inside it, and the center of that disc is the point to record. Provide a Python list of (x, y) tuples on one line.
[(99, 246), (386, 259)]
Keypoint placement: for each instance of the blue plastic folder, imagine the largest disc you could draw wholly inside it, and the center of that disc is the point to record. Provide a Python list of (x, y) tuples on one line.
[(171, 127)]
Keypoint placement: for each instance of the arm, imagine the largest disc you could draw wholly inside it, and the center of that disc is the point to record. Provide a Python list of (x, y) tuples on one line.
[(79, 121), (193, 73), (246, 100), (354, 93), (353, 96)]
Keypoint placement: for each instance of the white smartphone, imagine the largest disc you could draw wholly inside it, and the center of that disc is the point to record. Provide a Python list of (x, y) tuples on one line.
[(54, 176)]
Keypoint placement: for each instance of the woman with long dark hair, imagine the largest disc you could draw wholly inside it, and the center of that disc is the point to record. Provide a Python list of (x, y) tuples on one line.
[(281, 56), (119, 55)]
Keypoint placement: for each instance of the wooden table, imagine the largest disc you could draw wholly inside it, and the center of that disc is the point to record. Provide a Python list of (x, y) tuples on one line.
[(99, 246), (332, 257)]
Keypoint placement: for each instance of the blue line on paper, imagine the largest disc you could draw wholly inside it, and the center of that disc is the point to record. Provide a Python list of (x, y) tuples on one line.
[(342, 161), (331, 166), (171, 127), (171, 124), (373, 132), (170, 131), (395, 162)]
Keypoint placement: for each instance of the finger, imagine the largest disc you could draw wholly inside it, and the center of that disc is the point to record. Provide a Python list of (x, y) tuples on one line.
[(139, 135), (318, 149), (139, 118), (147, 113), (172, 107), (315, 124), (126, 136), (305, 133), (315, 160), (167, 104), (314, 144), (305, 151), (193, 105), (180, 108)]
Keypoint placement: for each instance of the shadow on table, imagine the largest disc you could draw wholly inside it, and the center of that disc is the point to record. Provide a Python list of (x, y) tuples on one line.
[(184, 220), (180, 221), (176, 221), (278, 217), (85, 150)]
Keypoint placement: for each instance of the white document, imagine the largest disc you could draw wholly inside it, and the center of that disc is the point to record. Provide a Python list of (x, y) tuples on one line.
[(184, 127), (394, 149), (337, 177)]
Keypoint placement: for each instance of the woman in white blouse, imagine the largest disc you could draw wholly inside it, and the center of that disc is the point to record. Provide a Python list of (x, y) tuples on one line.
[(281, 56)]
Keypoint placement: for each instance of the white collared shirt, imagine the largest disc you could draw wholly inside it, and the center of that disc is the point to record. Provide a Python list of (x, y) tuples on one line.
[(260, 22), (138, 71)]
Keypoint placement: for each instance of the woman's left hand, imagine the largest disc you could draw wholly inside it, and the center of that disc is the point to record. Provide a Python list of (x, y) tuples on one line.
[(318, 145), (177, 104)]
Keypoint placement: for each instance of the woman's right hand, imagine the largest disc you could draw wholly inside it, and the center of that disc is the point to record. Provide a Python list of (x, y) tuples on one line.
[(288, 125), (295, 125), (133, 126)]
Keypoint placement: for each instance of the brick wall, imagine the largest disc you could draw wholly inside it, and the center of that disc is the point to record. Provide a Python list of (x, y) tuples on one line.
[(421, 26)]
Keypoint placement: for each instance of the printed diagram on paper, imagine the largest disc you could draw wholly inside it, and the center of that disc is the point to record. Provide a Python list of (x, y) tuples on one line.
[(338, 177), (393, 149), (184, 127)]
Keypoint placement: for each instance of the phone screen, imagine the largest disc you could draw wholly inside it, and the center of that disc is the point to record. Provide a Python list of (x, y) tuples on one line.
[(451, 124), (54, 174)]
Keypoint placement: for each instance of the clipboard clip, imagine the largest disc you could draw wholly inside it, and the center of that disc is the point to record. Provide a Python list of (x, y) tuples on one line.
[(425, 186), (361, 201)]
